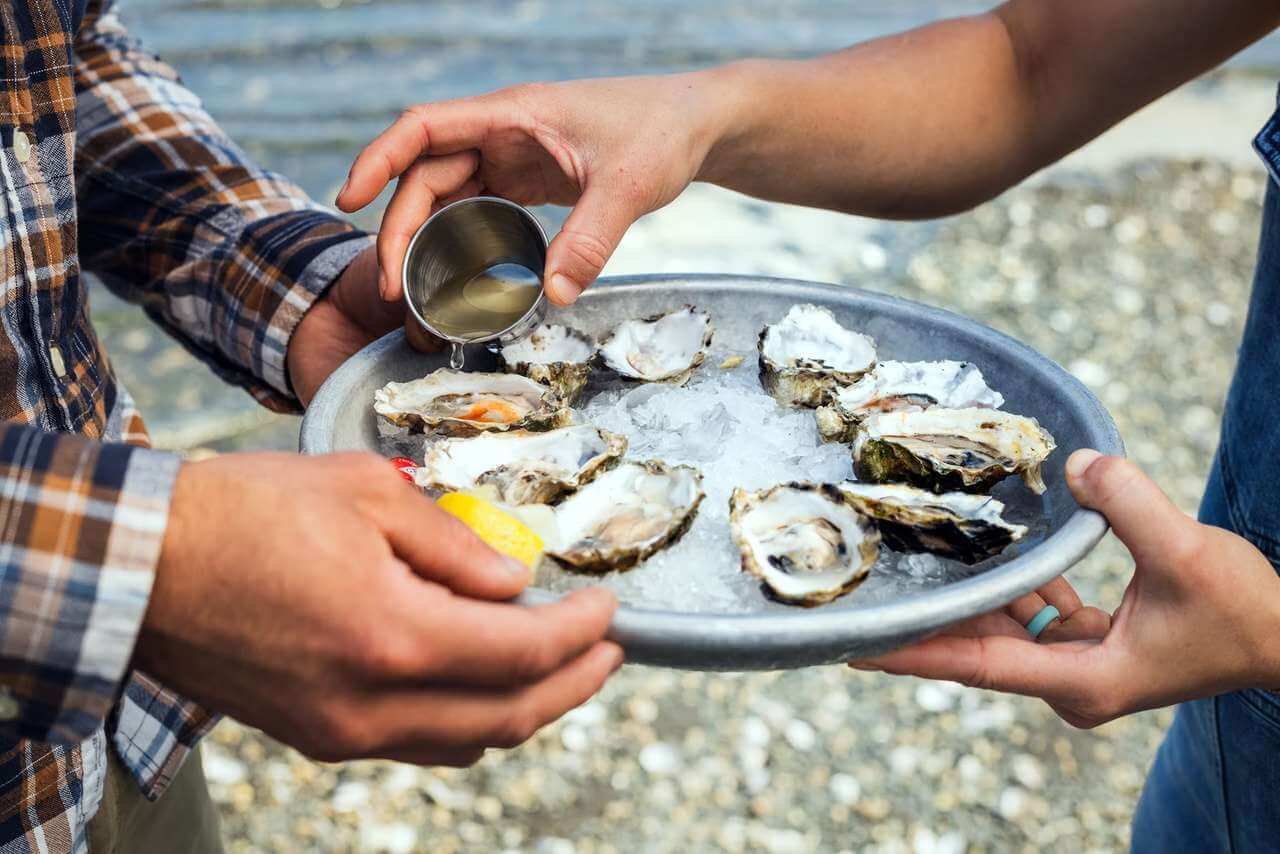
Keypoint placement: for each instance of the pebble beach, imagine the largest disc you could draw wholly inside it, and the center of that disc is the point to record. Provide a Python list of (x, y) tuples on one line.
[(1129, 265)]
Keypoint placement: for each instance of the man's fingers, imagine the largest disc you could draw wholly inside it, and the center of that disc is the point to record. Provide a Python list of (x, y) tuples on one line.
[(426, 181), (1024, 609), (1050, 671), (440, 548), (1142, 516), (502, 644), (442, 128), (417, 725), (1085, 624), (587, 240)]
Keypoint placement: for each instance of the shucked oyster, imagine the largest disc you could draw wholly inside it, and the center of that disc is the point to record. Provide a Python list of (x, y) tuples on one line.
[(663, 348), (625, 515), (464, 404), (806, 543), (958, 525), (558, 356), (526, 468), (894, 386), (944, 449), (808, 355)]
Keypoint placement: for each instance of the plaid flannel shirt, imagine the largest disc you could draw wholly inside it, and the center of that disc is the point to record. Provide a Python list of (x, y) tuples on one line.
[(108, 162)]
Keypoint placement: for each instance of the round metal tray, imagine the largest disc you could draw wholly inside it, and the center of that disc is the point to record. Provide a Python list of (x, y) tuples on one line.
[(341, 418)]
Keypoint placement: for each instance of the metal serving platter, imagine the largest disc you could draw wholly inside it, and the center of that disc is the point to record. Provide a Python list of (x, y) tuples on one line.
[(341, 418)]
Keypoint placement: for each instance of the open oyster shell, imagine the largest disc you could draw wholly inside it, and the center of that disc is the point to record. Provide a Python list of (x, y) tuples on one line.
[(806, 543), (895, 386), (948, 449), (463, 404), (525, 467), (625, 515), (959, 525), (558, 356), (663, 348), (808, 354)]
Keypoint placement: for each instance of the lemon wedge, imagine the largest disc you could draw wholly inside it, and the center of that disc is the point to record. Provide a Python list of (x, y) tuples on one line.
[(499, 529)]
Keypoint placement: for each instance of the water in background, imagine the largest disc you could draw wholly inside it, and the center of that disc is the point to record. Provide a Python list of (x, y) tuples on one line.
[(302, 84)]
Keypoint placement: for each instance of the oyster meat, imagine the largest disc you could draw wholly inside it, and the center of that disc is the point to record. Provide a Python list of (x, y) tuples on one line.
[(806, 543), (948, 449), (558, 356), (808, 354), (524, 467), (959, 525), (464, 404), (895, 386), (625, 515), (663, 348)]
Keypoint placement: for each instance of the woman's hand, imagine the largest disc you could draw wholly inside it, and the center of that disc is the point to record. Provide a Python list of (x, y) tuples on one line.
[(615, 149), (1200, 617)]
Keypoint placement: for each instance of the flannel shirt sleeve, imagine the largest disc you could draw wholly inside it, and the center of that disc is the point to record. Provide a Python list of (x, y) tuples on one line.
[(81, 526), (226, 256)]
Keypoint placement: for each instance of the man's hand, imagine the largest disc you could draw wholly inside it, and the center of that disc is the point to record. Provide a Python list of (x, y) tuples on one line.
[(615, 149), (349, 316), (330, 604), (1200, 617)]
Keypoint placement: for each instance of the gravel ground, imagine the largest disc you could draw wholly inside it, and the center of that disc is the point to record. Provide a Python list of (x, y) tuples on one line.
[(1135, 279)]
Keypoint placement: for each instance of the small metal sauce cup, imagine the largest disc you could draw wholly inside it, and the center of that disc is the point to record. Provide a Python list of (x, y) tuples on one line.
[(463, 240)]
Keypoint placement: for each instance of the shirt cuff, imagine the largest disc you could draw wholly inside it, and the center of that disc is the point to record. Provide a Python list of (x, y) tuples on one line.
[(315, 279)]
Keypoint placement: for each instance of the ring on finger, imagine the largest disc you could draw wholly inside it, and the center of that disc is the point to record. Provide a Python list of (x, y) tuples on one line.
[(1041, 621)]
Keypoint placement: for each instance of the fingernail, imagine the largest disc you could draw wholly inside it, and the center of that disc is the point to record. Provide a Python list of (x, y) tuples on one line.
[(1079, 462), (863, 665), (342, 190), (517, 569), (562, 290)]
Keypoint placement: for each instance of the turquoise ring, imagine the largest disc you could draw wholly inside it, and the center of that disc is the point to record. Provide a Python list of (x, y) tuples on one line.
[(1042, 620)]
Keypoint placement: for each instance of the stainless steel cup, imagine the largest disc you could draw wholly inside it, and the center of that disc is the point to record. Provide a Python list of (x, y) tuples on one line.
[(460, 242)]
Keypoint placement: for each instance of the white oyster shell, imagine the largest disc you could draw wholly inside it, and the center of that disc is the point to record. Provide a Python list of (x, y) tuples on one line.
[(525, 467), (951, 449), (805, 542), (959, 525), (808, 355), (663, 348), (464, 404), (558, 356), (893, 386), (625, 515)]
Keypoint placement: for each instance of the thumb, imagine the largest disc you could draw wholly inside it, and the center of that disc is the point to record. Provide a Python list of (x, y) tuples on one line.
[(1142, 516), (442, 549), (587, 240)]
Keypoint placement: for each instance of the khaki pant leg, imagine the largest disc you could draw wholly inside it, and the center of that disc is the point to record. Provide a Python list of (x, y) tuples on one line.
[(184, 819)]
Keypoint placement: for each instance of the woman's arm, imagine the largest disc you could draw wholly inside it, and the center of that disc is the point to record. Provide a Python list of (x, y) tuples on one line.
[(914, 125)]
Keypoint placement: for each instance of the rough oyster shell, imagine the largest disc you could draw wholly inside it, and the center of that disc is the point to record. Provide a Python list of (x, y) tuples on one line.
[(959, 525), (663, 348), (808, 354), (625, 515), (463, 404), (806, 543), (951, 449), (895, 386), (524, 467), (558, 356)]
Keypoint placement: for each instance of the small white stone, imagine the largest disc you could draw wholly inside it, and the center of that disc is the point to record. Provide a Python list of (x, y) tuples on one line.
[(1021, 213), (925, 841), (222, 769), (904, 759), (800, 735), (1028, 771), (574, 738), (1217, 313), (845, 789), (1090, 373), (592, 714), (969, 768), (554, 845), (397, 838), (1012, 802), (659, 758), (754, 731), (873, 256), (933, 698), (1129, 300), (1097, 216), (350, 796)]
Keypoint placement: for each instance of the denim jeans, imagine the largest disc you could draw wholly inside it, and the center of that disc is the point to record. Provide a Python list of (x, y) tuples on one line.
[(1215, 784)]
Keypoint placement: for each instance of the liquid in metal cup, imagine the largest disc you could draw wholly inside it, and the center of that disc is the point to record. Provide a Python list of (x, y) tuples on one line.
[(473, 272)]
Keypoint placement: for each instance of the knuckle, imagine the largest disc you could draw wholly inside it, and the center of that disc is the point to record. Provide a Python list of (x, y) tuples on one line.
[(340, 735), (536, 659), (587, 250)]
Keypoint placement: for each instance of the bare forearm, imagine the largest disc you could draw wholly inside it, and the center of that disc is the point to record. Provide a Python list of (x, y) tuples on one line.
[(938, 119)]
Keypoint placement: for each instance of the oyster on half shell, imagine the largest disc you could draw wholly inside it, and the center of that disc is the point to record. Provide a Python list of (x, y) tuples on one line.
[(951, 449), (806, 543), (960, 525), (459, 403), (808, 355), (663, 348), (558, 356), (524, 467), (625, 515), (895, 386)]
